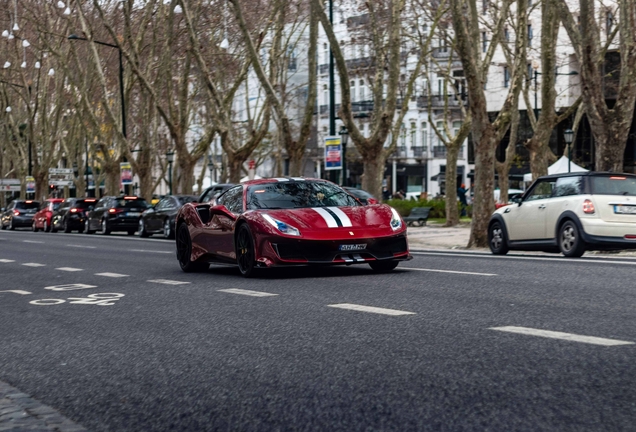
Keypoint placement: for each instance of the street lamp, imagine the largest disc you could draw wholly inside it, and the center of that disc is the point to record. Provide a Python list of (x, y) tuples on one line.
[(121, 83), (170, 159), (344, 138), (569, 136)]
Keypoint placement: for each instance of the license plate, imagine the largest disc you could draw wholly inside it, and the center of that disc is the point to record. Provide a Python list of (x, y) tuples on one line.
[(624, 209), (352, 247), (133, 214)]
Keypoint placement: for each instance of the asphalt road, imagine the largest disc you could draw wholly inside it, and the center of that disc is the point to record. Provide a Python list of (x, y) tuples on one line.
[(139, 345)]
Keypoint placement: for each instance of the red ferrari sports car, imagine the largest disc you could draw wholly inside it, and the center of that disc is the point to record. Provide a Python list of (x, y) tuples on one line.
[(289, 221)]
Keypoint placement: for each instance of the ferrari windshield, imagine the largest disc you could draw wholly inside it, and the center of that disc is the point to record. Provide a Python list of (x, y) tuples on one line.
[(297, 194)]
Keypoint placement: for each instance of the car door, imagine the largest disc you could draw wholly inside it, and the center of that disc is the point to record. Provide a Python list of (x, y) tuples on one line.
[(527, 221), (58, 216), (564, 198), (220, 240), (96, 215), (153, 219)]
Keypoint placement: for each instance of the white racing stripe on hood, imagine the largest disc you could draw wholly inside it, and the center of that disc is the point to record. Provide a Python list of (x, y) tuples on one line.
[(329, 219), (346, 222)]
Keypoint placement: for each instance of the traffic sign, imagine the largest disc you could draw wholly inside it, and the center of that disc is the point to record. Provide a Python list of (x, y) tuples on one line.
[(61, 182), (10, 188), (10, 181)]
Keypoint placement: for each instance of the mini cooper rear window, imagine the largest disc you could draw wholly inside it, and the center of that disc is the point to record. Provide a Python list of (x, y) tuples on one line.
[(613, 185)]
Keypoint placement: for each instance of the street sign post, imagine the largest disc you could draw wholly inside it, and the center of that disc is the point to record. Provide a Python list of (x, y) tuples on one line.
[(126, 173), (333, 153), (30, 184)]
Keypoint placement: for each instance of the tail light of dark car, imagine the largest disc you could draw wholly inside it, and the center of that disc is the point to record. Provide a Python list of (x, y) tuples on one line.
[(16, 213)]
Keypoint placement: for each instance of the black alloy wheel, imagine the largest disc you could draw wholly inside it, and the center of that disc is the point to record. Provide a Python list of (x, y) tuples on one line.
[(245, 254), (142, 229), (87, 227), (2, 226), (570, 242), (67, 226), (184, 252), (11, 226), (45, 226), (383, 266), (497, 239), (167, 229), (104, 228)]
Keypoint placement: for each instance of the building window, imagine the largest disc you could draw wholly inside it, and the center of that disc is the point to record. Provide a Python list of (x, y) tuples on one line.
[(291, 66), (424, 139), (484, 7), (362, 93), (413, 133), (403, 136), (530, 35), (506, 34), (325, 49), (353, 91), (506, 77), (530, 71), (484, 42), (609, 22), (440, 87), (325, 94)]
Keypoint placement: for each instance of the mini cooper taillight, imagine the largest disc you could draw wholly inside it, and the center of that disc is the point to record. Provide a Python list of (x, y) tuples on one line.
[(588, 207)]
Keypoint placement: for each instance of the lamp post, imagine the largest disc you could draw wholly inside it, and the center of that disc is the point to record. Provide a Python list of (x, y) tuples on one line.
[(170, 159), (121, 86), (344, 138), (86, 190), (569, 136)]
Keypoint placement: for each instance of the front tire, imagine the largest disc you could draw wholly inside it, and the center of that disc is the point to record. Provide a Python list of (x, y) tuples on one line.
[(184, 252), (245, 255), (167, 229), (497, 239), (11, 226), (570, 242), (34, 228), (67, 227), (45, 226), (383, 266), (142, 229), (87, 227), (104, 230)]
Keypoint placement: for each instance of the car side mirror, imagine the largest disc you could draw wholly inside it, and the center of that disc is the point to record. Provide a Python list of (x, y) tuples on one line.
[(221, 210), (371, 201)]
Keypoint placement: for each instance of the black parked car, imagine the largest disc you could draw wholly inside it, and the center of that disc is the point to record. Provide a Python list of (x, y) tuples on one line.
[(19, 214), (160, 217), (212, 192), (362, 195), (71, 214), (112, 213)]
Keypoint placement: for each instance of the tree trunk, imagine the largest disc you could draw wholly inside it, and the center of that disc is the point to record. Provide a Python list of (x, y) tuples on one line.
[(373, 172), (296, 166), (484, 186), (185, 175), (235, 163), (452, 211)]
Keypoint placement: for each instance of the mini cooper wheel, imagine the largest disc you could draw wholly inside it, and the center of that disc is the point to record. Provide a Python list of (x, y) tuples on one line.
[(383, 266), (184, 252), (245, 255), (167, 229), (142, 229), (570, 242), (497, 239)]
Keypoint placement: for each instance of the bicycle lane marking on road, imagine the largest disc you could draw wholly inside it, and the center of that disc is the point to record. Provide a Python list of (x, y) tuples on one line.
[(448, 271), (247, 292), (371, 309)]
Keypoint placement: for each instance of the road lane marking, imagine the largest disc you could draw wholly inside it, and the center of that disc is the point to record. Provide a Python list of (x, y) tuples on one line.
[(112, 275), (555, 259), (247, 292), (449, 271), (32, 241), (6, 260), (564, 336), (168, 282), (21, 292), (34, 265), (81, 246), (377, 310), (151, 251), (69, 269)]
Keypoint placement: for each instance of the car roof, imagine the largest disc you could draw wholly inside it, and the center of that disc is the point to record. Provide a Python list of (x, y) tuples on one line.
[(585, 174), (282, 180)]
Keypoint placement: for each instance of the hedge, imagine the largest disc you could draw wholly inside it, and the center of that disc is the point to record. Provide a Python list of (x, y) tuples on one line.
[(438, 207)]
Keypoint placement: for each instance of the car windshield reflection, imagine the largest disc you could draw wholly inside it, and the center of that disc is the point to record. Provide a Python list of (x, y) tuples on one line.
[(300, 194)]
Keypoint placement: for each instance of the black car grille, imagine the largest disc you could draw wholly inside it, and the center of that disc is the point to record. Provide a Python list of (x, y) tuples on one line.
[(327, 251)]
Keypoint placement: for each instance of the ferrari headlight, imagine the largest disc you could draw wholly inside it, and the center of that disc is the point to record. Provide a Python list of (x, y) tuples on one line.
[(396, 221), (281, 226)]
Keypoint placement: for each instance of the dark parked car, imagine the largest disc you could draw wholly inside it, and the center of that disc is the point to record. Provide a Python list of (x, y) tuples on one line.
[(363, 196), (160, 218), (19, 214), (112, 213), (71, 215), (212, 192)]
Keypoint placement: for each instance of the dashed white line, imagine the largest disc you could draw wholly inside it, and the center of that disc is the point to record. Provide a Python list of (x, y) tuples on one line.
[(6, 260), (34, 265), (377, 310), (151, 251), (449, 271), (21, 292), (81, 246), (112, 275), (68, 269), (247, 292), (168, 282), (32, 241), (560, 335)]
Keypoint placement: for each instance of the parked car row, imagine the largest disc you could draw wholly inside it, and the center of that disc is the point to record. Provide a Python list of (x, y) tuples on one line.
[(130, 214)]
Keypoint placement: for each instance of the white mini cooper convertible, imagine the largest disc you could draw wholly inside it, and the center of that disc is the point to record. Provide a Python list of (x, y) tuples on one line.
[(569, 213)]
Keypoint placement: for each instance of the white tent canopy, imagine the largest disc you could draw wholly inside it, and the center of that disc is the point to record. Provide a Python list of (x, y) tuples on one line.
[(559, 167)]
